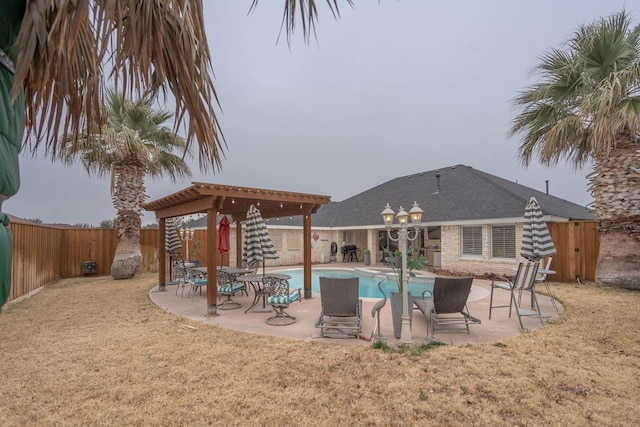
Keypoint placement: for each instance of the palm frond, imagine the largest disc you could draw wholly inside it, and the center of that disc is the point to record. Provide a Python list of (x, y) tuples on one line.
[(306, 13), (63, 45), (584, 104)]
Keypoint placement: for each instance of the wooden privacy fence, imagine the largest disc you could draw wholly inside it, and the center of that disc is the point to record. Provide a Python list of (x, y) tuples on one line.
[(42, 254)]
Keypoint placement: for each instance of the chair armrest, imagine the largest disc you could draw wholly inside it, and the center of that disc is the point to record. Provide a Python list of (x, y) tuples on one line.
[(501, 279)]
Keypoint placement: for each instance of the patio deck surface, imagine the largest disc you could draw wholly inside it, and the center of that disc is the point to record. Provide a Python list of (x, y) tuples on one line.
[(500, 326)]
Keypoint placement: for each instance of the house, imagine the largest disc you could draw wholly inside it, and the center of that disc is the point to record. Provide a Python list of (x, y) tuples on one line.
[(472, 221)]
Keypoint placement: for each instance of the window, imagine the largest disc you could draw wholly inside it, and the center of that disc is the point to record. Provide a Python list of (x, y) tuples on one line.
[(472, 241), (503, 241)]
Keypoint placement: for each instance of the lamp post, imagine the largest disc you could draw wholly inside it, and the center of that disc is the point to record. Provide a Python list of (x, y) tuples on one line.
[(403, 236), (186, 234)]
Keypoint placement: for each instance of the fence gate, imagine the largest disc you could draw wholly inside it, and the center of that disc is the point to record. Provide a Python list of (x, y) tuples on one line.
[(577, 244)]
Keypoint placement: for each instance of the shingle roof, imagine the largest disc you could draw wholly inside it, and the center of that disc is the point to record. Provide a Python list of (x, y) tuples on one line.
[(466, 194)]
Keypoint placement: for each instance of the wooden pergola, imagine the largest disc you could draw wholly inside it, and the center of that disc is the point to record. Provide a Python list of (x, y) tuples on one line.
[(215, 199)]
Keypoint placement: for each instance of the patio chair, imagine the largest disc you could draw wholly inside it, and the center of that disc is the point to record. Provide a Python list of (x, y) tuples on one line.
[(196, 281), (447, 303), (341, 308), (227, 288), (179, 271), (523, 281), (280, 296), (542, 278)]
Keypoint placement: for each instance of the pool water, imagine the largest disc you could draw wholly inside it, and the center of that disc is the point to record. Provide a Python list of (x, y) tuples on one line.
[(368, 281)]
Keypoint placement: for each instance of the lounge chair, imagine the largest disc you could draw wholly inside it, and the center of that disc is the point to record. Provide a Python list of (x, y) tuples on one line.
[(447, 303), (341, 308), (523, 281), (280, 296)]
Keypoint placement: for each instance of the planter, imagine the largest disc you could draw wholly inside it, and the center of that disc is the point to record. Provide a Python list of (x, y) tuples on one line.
[(396, 312), (367, 258)]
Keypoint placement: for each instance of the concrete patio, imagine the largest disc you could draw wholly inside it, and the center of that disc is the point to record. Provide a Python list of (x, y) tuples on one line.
[(500, 326)]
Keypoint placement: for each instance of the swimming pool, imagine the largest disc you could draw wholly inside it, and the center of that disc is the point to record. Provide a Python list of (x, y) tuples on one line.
[(368, 280)]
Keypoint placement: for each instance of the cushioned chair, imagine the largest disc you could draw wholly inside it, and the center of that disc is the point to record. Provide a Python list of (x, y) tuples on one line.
[(523, 281), (179, 272), (341, 308), (196, 281), (280, 296), (447, 303), (227, 288)]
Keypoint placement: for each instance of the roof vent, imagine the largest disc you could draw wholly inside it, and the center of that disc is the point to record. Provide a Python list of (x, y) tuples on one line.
[(437, 184)]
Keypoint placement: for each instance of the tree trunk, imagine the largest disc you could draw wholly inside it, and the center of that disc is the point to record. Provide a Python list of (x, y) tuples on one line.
[(618, 261), (615, 185), (128, 196)]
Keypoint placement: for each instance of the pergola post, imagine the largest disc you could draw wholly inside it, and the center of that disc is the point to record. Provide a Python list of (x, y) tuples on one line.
[(162, 256), (238, 243), (306, 240), (212, 262)]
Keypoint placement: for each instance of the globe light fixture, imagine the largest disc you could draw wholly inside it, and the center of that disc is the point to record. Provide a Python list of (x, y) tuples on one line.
[(415, 213), (186, 234)]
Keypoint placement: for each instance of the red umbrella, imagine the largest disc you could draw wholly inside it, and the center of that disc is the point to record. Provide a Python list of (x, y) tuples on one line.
[(223, 236)]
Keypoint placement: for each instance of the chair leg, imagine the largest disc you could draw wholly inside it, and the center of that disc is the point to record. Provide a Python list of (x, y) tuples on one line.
[(513, 301), (229, 304), (491, 303), (280, 318), (553, 300)]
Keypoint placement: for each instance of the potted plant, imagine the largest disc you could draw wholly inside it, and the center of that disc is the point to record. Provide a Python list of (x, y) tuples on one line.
[(367, 256), (394, 260), (196, 253)]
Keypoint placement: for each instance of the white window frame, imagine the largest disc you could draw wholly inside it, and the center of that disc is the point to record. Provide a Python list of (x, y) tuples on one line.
[(502, 240), (475, 249)]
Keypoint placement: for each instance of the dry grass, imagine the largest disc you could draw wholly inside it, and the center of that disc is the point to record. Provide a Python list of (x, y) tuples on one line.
[(93, 351)]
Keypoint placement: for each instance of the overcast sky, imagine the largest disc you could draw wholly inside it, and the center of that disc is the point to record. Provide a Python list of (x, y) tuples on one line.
[(391, 89)]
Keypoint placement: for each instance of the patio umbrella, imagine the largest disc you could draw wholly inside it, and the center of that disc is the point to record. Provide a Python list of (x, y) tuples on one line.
[(171, 241), (257, 245), (536, 240), (223, 236)]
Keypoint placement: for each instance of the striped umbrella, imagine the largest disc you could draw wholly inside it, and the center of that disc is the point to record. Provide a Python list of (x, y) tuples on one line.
[(536, 240), (257, 245), (171, 239)]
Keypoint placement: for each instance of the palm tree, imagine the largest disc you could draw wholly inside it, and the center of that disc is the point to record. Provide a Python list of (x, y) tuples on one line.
[(586, 107), (131, 145)]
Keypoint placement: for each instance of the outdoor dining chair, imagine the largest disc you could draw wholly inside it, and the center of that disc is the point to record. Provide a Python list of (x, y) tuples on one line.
[(523, 281), (227, 288), (280, 296)]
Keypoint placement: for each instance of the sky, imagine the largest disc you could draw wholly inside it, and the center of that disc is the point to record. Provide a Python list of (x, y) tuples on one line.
[(392, 88)]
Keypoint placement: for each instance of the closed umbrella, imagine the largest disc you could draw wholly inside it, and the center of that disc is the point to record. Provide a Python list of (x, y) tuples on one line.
[(223, 236), (536, 240), (171, 241), (257, 245)]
